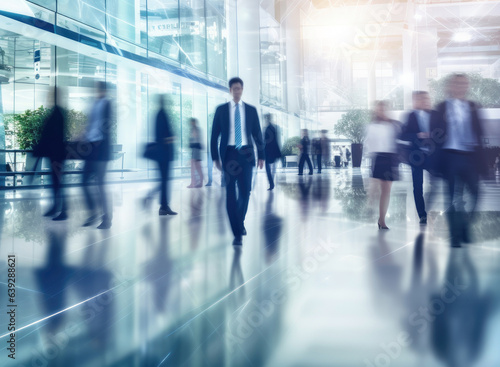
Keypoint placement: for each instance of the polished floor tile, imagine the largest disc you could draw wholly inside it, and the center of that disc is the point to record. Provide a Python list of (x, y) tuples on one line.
[(314, 284)]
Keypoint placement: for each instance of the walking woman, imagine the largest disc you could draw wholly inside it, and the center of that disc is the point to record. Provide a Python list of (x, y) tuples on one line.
[(380, 144), (195, 145)]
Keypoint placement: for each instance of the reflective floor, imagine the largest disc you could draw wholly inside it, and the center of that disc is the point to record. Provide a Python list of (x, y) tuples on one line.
[(315, 283)]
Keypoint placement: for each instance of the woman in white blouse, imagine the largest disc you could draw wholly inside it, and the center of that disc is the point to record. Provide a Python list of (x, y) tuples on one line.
[(380, 144)]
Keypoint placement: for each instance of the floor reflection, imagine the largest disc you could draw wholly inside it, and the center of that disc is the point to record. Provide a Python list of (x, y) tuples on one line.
[(314, 284)]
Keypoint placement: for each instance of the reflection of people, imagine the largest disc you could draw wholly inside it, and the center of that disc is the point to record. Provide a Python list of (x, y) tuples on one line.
[(53, 278), (272, 149), (158, 269), (237, 123), (164, 137), (304, 152), (52, 145), (97, 135), (416, 130), (380, 143), (460, 153), (458, 332), (271, 226), (195, 145)]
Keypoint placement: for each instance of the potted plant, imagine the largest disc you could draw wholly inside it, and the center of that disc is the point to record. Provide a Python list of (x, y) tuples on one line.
[(29, 126), (352, 125), (290, 148)]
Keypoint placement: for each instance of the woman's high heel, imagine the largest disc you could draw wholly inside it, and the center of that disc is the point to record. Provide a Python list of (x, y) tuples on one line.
[(381, 227)]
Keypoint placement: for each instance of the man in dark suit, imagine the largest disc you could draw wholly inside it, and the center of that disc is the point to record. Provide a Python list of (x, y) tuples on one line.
[(237, 124), (98, 140), (458, 135), (417, 132), (272, 148), (305, 143)]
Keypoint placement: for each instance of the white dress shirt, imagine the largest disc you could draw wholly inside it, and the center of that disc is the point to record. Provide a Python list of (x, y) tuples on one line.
[(423, 120), (381, 137), (461, 136), (96, 121), (232, 110)]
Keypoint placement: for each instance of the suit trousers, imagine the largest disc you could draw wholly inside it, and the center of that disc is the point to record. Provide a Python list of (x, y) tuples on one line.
[(417, 174), (460, 171), (305, 158), (238, 170), (98, 169), (270, 170)]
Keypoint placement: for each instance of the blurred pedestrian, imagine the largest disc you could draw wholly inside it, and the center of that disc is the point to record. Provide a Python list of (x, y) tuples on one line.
[(272, 149), (458, 135), (416, 131), (52, 145), (325, 149), (195, 145), (237, 125), (304, 146), (380, 144), (97, 137), (164, 155), (316, 146)]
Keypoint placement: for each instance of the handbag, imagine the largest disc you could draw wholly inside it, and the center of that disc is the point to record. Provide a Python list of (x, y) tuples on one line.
[(195, 146), (152, 151)]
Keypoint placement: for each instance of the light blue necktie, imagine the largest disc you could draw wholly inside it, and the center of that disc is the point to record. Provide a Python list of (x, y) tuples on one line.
[(237, 127)]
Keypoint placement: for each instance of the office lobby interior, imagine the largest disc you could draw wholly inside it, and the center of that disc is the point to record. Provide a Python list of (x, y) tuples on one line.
[(315, 280)]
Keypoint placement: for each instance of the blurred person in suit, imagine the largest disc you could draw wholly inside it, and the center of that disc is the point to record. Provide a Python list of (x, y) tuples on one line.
[(98, 139), (325, 149), (457, 132), (237, 124), (416, 131), (52, 145), (316, 144), (380, 143), (164, 138), (304, 146), (272, 148)]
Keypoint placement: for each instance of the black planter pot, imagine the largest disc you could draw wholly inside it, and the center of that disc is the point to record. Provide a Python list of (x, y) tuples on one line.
[(357, 154)]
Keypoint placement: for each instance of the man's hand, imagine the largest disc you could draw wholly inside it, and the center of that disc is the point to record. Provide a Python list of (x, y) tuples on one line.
[(423, 135), (261, 163), (217, 165)]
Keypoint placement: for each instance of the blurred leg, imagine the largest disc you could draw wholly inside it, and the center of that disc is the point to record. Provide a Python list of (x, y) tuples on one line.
[(385, 197)]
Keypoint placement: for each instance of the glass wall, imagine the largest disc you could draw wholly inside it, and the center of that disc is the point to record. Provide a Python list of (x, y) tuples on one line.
[(187, 34)]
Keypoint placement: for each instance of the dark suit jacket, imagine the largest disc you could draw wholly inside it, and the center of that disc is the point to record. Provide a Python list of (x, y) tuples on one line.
[(305, 142), (272, 149), (51, 142), (221, 128), (163, 130), (409, 133), (439, 130)]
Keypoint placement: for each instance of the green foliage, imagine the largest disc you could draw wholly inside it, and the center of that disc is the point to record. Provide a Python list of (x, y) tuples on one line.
[(27, 126), (76, 121), (485, 91), (352, 124), (290, 146)]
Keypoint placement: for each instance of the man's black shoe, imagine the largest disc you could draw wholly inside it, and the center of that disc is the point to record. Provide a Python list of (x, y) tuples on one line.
[(166, 211)]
